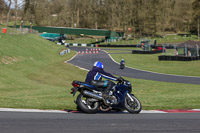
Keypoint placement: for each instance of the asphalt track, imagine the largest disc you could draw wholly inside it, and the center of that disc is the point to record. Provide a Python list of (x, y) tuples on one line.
[(87, 60), (17, 122)]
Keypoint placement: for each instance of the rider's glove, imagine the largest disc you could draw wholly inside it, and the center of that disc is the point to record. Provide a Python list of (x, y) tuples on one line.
[(120, 79)]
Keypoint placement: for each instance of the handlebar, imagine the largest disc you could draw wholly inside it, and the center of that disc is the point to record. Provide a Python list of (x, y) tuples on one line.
[(120, 80)]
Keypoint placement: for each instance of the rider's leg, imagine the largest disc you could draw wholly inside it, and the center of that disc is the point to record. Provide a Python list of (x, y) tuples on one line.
[(108, 85), (104, 84)]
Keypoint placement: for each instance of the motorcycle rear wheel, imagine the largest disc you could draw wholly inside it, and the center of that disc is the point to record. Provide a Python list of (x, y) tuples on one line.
[(132, 104), (85, 105), (122, 66)]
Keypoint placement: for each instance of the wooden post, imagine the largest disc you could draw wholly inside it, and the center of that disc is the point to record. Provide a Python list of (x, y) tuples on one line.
[(198, 29)]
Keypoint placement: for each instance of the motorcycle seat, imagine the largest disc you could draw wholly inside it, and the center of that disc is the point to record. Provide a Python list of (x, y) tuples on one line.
[(97, 87)]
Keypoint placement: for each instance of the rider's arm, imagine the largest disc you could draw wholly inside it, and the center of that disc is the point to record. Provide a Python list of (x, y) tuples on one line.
[(107, 75)]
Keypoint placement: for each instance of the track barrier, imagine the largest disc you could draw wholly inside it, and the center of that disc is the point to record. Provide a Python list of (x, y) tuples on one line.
[(91, 51)]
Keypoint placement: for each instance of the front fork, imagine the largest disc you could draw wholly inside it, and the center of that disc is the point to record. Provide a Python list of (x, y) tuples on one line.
[(130, 97)]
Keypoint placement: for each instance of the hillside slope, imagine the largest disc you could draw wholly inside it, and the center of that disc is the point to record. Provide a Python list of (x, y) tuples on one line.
[(29, 66)]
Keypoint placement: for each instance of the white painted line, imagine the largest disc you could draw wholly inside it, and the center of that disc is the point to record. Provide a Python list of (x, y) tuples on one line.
[(148, 111), (60, 111), (196, 109), (31, 110), (71, 58), (75, 65), (110, 56), (152, 111), (82, 68)]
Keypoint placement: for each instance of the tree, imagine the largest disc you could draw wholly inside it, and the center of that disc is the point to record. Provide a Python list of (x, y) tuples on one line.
[(3, 7), (8, 12), (196, 14), (146, 17)]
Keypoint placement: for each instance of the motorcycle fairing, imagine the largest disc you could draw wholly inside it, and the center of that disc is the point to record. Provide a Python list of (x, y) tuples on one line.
[(120, 93)]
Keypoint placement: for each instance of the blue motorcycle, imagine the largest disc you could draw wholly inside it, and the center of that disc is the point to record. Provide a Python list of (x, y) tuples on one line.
[(90, 99)]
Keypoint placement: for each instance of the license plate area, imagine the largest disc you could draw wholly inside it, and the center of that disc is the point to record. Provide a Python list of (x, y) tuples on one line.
[(74, 90)]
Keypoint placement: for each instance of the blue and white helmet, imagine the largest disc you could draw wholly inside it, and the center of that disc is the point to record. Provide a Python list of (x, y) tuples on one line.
[(98, 64)]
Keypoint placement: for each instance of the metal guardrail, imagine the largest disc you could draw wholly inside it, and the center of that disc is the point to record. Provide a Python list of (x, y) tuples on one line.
[(64, 52)]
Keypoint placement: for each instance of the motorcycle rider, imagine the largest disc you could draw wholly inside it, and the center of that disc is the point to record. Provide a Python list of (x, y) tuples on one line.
[(122, 62), (94, 77)]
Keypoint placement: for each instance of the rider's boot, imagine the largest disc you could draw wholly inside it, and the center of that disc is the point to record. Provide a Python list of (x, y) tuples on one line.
[(108, 92), (107, 96)]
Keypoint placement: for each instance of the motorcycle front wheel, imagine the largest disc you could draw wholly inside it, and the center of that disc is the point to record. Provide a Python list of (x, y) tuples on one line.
[(132, 104), (86, 105)]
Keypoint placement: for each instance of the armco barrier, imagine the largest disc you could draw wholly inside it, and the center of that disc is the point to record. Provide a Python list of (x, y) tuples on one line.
[(118, 45), (146, 52), (64, 52), (133, 45), (115, 45), (81, 45), (177, 58)]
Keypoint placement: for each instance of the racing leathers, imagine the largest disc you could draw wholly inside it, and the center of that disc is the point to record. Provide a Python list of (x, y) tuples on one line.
[(94, 77)]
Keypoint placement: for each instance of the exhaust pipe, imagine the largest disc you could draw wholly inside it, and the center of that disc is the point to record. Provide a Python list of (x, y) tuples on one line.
[(93, 95)]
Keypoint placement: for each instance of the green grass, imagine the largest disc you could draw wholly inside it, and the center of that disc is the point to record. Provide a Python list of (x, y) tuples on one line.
[(34, 75), (28, 77), (150, 62), (164, 95)]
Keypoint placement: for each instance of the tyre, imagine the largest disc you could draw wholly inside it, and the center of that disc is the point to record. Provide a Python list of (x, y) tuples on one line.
[(132, 104), (78, 108), (121, 66), (85, 105)]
